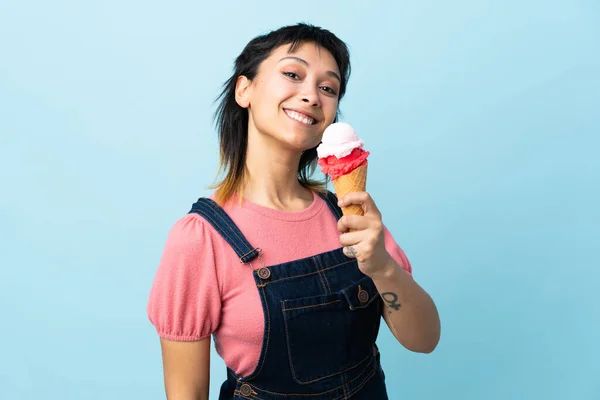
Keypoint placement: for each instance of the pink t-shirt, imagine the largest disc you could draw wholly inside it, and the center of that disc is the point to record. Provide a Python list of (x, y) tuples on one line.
[(201, 288)]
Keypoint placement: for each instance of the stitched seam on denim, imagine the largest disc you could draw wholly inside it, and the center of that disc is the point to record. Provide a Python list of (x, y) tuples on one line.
[(222, 231), (266, 343), (287, 339), (325, 277), (359, 376), (232, 242), (208, 203), (227, 219), (337, 373), (239, 393), (316, 262), (217, 227), (320, 268), (316, 305), (234, 229), (308, 274), (344, 386), (316, 394), (248, 253), (323, 285), (365, 305), (219, 211), (363, 383), (329, 376)]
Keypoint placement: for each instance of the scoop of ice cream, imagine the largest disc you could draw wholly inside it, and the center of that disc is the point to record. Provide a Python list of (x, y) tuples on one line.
[(336, 167), (339, 139)]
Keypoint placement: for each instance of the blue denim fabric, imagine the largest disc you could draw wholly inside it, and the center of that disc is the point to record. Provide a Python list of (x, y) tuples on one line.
[(321, 316)]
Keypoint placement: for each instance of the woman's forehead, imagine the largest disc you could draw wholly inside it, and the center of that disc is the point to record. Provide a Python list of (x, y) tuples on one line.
[(309, 54)]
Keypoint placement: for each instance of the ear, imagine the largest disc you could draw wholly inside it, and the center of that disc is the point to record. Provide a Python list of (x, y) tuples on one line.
[(242, 91)]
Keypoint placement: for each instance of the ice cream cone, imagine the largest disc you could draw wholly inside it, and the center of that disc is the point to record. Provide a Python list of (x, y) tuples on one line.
[(354, 181)]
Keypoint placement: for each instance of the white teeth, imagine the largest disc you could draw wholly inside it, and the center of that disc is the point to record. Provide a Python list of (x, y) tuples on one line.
[(300, 117)]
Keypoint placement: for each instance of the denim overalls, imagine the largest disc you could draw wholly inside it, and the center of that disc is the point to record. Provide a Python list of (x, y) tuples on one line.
[(322, 317)]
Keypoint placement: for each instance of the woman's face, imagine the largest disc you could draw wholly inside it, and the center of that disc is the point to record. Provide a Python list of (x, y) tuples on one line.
[(293, 97)]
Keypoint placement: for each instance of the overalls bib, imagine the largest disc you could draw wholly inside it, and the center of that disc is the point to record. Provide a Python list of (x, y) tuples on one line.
[(321, 318)]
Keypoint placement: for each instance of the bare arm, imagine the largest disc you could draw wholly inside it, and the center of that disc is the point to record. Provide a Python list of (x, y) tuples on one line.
[(409, 311), (186, 368)]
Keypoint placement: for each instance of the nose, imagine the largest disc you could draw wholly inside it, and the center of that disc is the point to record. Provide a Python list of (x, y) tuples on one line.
[(311, 97), (312, 102)]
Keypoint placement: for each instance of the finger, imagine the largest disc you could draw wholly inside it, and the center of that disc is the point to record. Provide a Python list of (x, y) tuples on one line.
[(353, 222), (351, 251), (351, 238), (352, 198), (363, 199)]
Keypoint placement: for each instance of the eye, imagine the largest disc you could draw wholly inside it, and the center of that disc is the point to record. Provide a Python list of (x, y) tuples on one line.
[(291, 75), (329, 90)]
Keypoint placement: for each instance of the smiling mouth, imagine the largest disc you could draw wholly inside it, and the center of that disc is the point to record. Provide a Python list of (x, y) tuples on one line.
[(303, 118)]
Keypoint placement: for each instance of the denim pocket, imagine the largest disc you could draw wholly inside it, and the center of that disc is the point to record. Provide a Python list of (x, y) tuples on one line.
[(331, 334)]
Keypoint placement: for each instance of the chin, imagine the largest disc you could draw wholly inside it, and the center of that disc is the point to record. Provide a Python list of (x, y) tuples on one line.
[(304, 146), (298, 141)]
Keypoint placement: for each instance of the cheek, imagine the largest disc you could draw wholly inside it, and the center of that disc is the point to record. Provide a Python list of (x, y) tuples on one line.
[(275, 96), (266, 93), (330, 108)]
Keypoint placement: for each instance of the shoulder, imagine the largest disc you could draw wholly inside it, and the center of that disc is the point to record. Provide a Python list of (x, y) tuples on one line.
[(190, 227), (185, 296), (195, 226), (188, 233), (191, 249)]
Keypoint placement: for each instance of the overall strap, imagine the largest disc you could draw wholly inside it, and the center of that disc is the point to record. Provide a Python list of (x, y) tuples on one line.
[(331, 200), (219, 219)]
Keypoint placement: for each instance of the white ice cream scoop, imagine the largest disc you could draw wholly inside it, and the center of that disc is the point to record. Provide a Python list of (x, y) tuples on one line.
[(339, 139)]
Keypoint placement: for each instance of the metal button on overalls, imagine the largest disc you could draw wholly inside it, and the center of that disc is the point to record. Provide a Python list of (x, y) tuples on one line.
[(363, 295), (246, 390), (264, 273)]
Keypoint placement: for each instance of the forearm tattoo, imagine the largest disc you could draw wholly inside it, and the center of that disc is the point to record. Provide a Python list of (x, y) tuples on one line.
[(391, 300)]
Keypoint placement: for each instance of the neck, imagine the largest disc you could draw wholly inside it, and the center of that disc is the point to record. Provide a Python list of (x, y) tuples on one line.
[(272, 176)]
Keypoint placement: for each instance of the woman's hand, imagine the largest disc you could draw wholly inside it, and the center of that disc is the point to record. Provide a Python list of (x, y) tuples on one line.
[(363, 236), (410, 312)]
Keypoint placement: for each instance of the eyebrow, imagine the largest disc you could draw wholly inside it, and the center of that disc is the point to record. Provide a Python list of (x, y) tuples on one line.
[(301, 61)]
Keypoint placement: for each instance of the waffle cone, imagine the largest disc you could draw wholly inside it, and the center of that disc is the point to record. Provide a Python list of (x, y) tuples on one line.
[(355, 181)]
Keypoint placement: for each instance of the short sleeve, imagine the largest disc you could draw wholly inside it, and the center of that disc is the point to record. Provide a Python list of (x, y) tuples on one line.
[(396, 252), (184, 302)]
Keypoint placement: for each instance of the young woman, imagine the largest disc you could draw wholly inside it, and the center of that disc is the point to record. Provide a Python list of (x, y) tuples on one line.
[(291, 291)]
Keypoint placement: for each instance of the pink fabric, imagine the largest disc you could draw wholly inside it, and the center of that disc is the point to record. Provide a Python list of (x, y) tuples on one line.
[(201, 288)]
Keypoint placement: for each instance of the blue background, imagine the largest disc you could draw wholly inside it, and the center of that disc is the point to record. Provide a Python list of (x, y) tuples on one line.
[(483, 122)]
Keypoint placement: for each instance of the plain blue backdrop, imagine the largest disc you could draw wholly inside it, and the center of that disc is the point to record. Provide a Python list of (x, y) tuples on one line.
[(483, 119)]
